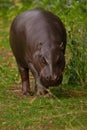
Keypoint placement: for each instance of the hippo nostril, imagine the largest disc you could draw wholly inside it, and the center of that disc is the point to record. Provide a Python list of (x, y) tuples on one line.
[(55, 77)]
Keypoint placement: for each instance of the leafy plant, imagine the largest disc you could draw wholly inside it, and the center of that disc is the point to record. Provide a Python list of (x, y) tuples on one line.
[(77, 66)]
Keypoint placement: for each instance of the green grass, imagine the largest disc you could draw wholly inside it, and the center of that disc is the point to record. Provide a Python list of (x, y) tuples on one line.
[(66, 109)]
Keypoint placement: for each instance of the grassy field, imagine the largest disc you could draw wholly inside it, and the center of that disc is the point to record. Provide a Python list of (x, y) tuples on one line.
[(66, 109)]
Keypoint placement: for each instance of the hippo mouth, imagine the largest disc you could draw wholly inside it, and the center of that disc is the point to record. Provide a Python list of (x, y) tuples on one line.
[(51, 83)]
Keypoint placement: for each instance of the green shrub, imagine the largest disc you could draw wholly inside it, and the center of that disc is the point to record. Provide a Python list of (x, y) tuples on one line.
[(77, 65)]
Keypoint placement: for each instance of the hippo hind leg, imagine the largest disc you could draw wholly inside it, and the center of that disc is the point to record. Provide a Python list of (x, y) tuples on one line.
[(24, 72)]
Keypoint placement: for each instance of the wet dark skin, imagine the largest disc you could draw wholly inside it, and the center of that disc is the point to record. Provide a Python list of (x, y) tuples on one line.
[(38, 42)]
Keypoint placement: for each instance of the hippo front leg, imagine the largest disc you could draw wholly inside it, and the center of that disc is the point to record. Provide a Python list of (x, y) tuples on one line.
[(40, 90), (24, 72)]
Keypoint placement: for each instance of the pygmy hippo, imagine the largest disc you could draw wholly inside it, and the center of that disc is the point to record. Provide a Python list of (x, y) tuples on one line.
[(38, 42)]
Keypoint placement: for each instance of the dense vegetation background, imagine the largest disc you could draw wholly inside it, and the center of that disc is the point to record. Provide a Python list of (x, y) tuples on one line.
[(19, 112), (73, 14)]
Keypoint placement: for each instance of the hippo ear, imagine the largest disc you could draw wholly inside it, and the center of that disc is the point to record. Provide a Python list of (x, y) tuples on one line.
[(61, 46)]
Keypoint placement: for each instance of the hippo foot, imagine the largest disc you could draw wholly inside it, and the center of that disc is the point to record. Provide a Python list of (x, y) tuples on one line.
[(26, 89), (41, 92), (28, 92)]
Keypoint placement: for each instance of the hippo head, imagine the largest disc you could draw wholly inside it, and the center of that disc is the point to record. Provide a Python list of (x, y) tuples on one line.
[(49, 63)]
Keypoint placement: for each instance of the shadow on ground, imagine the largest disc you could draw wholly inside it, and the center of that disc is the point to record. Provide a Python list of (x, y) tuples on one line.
[(65, 93), (54, 92)]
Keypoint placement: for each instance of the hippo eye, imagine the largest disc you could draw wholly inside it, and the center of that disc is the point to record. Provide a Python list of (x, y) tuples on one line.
[(59, 61), (43, 60)]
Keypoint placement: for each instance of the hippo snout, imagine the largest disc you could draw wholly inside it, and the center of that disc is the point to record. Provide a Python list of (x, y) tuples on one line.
[(49, 77), (50, 80)]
